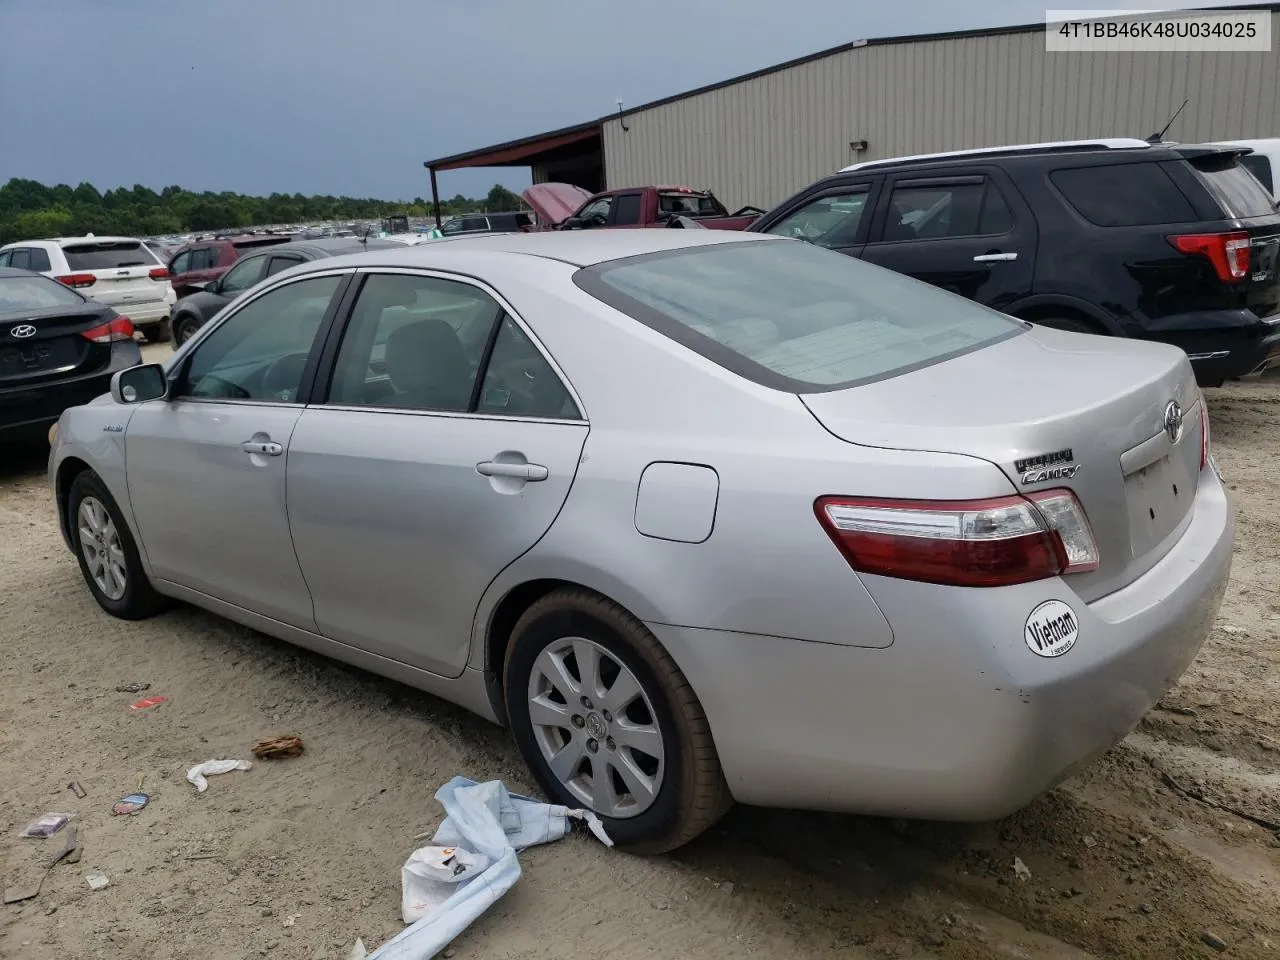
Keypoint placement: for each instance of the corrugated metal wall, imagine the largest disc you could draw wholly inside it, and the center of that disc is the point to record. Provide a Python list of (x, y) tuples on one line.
[(761, 140)]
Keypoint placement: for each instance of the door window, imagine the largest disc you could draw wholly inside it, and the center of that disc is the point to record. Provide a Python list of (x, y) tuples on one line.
[(920, 210), (282, 263), (828, 221), (181, 263), (202, 258), (21, 259), (261, 350), (5, 256), (39, 259), (627, 209), (242, 276), (518, 382), (596, 213), (414, 343)]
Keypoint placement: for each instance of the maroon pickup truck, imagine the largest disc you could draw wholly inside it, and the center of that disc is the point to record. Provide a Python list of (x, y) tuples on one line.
[(561, 206)]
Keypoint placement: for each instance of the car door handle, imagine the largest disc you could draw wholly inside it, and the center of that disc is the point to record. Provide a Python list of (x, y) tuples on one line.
[(267, 448), (520, 471), (994, 257)]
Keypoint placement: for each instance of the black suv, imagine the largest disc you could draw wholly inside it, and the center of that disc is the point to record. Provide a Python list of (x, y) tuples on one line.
[(1169, 242), (487, 223)]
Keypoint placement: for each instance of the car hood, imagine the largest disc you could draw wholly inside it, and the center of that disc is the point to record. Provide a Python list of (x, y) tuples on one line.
[(553, 202)]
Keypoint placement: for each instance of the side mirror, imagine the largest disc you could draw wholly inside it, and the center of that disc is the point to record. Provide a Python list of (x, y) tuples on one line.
[(139, 384), (570, 223)]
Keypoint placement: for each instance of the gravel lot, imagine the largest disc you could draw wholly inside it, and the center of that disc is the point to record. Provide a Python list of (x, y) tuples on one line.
[(296, 858)]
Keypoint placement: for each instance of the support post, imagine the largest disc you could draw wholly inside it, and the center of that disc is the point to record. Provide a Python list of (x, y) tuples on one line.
[(435, 196)]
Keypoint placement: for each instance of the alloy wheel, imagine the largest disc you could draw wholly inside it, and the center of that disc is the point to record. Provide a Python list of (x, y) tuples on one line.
[(596, 727), (103, 551)]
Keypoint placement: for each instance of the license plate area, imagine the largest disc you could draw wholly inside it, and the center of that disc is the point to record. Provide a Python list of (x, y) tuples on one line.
[(42, 356), (1159, 496)]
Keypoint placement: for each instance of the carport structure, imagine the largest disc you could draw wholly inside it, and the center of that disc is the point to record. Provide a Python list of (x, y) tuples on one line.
[(569, 155)]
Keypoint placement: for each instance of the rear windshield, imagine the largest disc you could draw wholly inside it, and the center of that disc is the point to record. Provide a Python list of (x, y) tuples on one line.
[(1123, 194), (689, 203), (108, 254), (793, 316), (1260, 167), (1237, 191), (35, 293)]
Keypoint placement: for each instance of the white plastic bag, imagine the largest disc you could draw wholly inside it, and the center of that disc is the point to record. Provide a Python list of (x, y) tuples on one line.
[(196, 775), (484, 826)]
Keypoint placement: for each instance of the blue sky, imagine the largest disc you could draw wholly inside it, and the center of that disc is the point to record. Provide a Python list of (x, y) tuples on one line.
[(350, 96)]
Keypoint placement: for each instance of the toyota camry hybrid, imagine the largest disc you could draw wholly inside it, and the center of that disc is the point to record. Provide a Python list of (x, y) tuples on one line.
[(700, 516)]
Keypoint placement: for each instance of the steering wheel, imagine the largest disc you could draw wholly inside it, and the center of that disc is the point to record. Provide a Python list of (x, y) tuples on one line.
[(282, 378)]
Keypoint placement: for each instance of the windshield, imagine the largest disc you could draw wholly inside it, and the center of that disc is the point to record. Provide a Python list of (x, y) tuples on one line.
[(793, 316), (1237, 191), (35, 293)]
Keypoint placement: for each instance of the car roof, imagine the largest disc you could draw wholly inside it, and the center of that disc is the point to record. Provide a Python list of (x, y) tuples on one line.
[(579, 248), (324, 247), (64, 241), (1055, 146)]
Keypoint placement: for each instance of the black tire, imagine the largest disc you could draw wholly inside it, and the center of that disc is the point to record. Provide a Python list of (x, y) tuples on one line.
[(184, 328), (156, 332), (1070, 324), (693, 793), (139, 599)]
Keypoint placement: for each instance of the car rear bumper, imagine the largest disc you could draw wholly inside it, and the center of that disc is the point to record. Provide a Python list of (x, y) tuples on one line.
[(958, 719), (31, 410), (1231, 352)]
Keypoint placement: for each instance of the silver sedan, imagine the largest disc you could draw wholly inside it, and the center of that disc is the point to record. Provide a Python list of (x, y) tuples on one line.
[(701, 516)]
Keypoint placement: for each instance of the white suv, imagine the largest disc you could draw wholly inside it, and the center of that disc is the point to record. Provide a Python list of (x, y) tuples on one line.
[(119, 271)]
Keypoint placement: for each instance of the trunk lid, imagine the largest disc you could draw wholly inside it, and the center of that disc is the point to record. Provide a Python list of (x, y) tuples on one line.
[(56, 349), (121, 270), (1036, 404)]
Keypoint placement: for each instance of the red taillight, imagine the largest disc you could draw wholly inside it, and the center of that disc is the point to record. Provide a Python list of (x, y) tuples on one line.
[(966, 543), (1228, 252), (159, 273), (121, 328), (77, 280)]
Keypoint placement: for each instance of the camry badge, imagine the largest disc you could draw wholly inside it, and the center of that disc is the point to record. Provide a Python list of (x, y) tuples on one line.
[(1173, 421), (1047, 466), (22, 331)]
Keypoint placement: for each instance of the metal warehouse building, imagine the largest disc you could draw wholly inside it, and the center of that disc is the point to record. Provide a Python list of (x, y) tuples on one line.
[(758, 138)]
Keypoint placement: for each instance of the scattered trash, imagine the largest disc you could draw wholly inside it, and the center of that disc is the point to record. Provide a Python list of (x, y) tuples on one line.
[(1233, 631), (212, 768), (1146, 907), (1020, 869), (290, 920), (133, 687), (96, 879), (471, 862), (47, 825), (75, 788), (1088, 841), (277, 748), (70, 852), (358, 952), (131, 804), (146, 703), (1210, 939), (726, 887)]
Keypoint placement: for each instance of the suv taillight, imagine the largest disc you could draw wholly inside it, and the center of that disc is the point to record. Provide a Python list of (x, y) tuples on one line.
[(121, 328), (77, 280), (966, 543), (1228, 252), (159, 273)]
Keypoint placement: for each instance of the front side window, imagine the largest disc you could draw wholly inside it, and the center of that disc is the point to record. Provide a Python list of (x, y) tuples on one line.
[(934, 211), (261, 350), (5, 257), (413, 342), (793, 316), (828, 221), (596, 213), (242, 276), (181, 263)]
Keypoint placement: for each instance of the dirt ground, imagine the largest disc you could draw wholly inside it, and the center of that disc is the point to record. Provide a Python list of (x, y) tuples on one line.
[(1137, 857)]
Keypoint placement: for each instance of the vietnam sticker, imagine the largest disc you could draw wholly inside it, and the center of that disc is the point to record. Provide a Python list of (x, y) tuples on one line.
[(1051, 630)]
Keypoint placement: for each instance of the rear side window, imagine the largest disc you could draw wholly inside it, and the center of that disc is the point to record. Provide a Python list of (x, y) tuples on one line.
[(626, 209), (793, 316), (1237, 192), (109, 254), (21, 259), (920, 210), (1260, 167), (684, 204), (1123, 195)]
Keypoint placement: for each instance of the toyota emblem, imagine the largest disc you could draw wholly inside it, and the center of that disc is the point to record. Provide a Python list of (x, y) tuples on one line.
[(1173, 421), (22, 331)]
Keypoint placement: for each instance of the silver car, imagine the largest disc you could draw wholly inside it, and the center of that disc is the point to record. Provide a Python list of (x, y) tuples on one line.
[(702, 516)]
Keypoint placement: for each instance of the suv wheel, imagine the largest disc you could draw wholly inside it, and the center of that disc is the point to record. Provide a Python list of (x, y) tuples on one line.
[(607, 722)]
